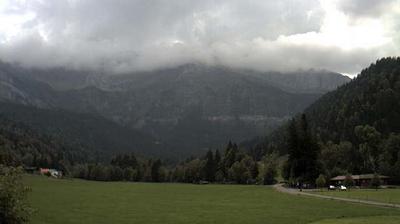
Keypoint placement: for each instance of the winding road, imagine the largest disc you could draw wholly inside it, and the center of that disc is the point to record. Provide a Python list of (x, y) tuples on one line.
[(281, 188)]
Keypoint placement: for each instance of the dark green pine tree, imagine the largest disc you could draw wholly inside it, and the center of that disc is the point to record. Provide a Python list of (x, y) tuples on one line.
[(309, 150), (228, 160), (231, 155), (302, 164), (291, 167), (254, 170), (210, 167), (155, 171), (217, 159)]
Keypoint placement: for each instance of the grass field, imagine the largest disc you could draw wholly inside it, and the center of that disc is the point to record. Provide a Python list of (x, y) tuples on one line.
[(363, 220), (381, 195), (78, 201)]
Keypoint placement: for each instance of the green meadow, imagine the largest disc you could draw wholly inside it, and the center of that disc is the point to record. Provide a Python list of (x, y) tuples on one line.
[(381, 195), (363, 220), (78, 201)]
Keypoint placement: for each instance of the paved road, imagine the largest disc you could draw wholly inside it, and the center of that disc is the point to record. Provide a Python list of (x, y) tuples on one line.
[(281, 188)]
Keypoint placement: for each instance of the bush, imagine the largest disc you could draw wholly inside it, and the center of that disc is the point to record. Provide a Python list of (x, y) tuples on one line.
[(375, 182), (270, 170), (349, 182), (269, 175), (320, 181), (13, 206)]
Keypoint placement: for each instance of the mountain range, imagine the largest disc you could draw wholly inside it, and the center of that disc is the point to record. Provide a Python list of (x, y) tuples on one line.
[(184, 110)]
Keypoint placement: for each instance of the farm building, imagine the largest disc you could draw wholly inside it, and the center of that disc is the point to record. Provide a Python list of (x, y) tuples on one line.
[(362, 180), (51, 172)]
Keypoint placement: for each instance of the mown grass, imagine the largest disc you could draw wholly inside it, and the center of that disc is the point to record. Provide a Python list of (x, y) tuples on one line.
[(362, 220), (381, 195), (78, 201)]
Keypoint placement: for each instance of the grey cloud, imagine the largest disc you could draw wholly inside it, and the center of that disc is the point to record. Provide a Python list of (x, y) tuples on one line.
[(366, 8), (123, 36), (289, 58)]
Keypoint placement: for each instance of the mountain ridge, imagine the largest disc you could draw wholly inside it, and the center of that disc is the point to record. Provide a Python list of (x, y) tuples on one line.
[(194, 107)]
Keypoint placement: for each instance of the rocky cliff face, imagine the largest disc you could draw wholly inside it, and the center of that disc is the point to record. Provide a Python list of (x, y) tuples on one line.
[(191, 107), (310, 81)]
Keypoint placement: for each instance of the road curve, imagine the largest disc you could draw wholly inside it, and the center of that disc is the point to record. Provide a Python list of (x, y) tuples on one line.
[(281, 188)]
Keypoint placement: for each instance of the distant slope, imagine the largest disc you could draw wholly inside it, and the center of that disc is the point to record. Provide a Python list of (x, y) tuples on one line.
[(20, 145), (303, 81), (89, 131), (201, 106), (191, 107), (16, 87)]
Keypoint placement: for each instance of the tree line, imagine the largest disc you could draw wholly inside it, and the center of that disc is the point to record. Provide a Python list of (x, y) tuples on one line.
[(309, 157), (21, 146), (234, 165)]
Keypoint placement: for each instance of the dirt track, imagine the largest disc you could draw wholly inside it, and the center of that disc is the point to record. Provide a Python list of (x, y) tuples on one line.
[(280, 188)]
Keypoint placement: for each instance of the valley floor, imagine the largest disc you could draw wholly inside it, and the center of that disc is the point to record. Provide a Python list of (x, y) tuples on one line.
[(78, 201)]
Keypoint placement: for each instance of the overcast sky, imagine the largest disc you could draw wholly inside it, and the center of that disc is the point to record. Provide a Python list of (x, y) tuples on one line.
[(129, 35)]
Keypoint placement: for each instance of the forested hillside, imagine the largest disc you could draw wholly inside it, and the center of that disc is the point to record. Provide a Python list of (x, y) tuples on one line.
[(90, 131), (357, 125), (360, 122), (20, 145), (372, 98)]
